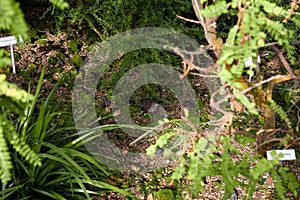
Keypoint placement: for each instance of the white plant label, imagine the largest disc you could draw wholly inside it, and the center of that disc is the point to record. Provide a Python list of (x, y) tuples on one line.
[(248, 61), (288, 154), (6, 41), (10, 41)]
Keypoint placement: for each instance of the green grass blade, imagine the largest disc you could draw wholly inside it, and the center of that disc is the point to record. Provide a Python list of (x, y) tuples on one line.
[(79, 181), (4, 194), (87, 157), (62, 152), (49, 193), (33, 103), (108, 186), (50, 96)]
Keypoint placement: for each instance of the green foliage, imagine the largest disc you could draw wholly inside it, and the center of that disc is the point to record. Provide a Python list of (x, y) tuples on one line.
[(59, 166), (4, 59), (19, 145), (107, 18), (12, 22), (245, 101), (6, 164), (282, 114), (164, 194), (37, 155), (215, 9), (12, 18), (14, 100), (60, 3), (260, 22), (212, 156), (253, 24), (76, 60)]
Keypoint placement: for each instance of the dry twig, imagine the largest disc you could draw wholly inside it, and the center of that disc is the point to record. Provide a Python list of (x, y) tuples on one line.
[(286, 65)]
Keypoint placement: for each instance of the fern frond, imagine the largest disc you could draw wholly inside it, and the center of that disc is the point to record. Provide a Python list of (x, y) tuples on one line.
[(262, 166), (280, 189), (12, 91), (289, 180), (18, 144), (12, 18), (60, 4), (271, 8), (282, 114), (215, 9), (246, 102), (25, 150), (237, 69), (200, 162), (5, 160)]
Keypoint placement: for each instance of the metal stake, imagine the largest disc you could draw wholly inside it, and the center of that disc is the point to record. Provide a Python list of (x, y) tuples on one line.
[(12, 58)]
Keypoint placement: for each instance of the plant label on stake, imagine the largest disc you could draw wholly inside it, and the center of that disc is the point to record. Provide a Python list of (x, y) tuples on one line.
[(10, 41), (249, 63), (288, 154)]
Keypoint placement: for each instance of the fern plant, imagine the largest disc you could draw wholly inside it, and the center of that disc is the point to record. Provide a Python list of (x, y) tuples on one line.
[(257, 25), (202, 154), (103, 17), (14, 100), (58, 164), (33, 161)]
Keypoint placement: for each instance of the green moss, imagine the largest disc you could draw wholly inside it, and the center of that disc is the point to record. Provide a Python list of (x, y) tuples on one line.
[(73, 45), (164, 194), (244, 140), (76, 60), (32, 66)]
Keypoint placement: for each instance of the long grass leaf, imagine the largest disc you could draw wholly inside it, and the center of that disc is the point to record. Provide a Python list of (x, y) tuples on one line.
[(108, 186), (4, 194), (32, 106), (79, 182), (49, 193), (51, 94), (61, 152), (87, 157), (84, 137), (58, 180), (51, 164), (37, 92), (38, 128)]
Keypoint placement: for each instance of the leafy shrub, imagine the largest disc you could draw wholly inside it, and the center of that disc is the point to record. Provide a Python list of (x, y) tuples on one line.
[(14, 100), (107, 18), (254, 25), (40, 156), (203, 154), (59, 165)]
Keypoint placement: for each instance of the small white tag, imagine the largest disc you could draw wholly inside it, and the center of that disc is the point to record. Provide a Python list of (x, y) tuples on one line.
[(288, 154), (248, 61), (258, 59), (10, 41), (6, 41)]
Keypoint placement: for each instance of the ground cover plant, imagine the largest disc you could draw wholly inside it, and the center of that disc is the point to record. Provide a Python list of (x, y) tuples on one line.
[(40, 155), (225, 166), (243, 41)]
